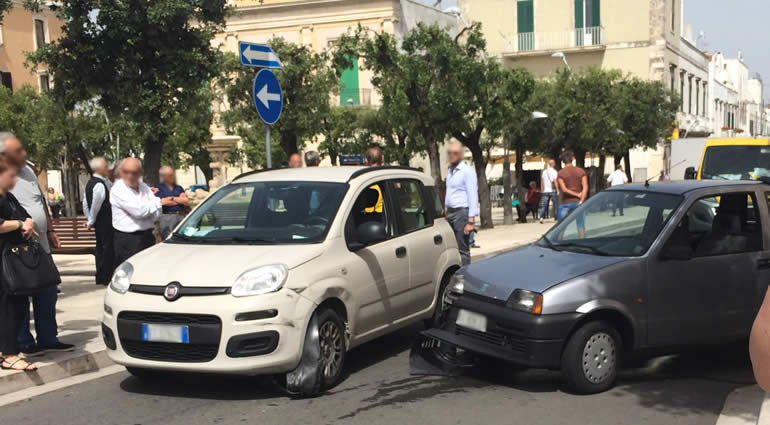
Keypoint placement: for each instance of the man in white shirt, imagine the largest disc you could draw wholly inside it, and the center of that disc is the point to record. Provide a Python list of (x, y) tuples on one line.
[(96, 207), (617, 178), (550, 189), (135, 209)]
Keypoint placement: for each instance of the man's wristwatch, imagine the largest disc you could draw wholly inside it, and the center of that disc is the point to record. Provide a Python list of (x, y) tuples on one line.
[(21, 223)]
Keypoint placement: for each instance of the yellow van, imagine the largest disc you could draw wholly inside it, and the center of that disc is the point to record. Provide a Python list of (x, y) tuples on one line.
[(733, 159)]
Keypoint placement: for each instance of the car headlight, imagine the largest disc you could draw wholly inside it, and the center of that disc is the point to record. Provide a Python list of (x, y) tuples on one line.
[(261, 280), (457, 284), (526, 301), (121, 279)]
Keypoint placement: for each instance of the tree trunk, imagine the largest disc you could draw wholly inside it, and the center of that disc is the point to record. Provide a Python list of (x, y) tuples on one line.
[(520, 181), (600, 174), (153, 149), (485, 210), (507, 192), (618, 160), (627, 162), (288, 143), (580, 158), (333, 157), (435, 162)]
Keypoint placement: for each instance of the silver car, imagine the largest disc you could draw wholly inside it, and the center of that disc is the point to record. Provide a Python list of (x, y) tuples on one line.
[(686, 264)]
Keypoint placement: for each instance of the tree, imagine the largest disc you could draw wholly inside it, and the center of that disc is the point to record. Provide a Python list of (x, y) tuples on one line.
[(307, 81), (5, 5), (339, 131), (407, 77), (143, 60)]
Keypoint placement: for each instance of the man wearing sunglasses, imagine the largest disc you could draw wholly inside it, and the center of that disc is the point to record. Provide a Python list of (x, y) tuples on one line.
[(135, 209)]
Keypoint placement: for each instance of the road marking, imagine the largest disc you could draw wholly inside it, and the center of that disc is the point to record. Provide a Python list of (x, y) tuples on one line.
[(742, 406), (31, 392), (764, 413)]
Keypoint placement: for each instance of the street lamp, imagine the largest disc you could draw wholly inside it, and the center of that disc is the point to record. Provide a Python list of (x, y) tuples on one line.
[(560, 55), (457, 13), (537, 115)]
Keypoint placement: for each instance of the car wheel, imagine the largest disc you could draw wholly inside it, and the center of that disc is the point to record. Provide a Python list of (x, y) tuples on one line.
[(591, 358), (441, 305), (331, 337)]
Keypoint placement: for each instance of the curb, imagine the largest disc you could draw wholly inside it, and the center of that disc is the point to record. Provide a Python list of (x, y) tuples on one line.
[(75, 364), (764, 411)]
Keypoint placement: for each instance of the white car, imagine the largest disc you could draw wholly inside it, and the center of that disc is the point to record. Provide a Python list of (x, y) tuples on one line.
[(283, 271)]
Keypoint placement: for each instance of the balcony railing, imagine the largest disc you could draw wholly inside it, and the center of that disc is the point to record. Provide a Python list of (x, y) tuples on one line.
[(354, 97), (533, 41)]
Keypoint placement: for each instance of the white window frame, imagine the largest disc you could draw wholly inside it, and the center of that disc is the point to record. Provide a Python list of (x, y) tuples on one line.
[(40, 74), (1, 36), (46, 32)]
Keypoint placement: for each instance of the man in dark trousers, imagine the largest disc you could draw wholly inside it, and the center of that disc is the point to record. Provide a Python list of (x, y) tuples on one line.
[(97, 209)]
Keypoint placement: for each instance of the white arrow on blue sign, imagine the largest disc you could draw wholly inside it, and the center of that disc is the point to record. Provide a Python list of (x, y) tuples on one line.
[(259, 55), (268, 96)]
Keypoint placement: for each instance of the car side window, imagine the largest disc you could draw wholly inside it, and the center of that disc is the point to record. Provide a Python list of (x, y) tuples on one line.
[(720, 225), (432, 197), (410, 205), (369, 206)]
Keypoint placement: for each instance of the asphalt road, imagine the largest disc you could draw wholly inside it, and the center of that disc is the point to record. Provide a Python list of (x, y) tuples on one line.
[(688, 389)]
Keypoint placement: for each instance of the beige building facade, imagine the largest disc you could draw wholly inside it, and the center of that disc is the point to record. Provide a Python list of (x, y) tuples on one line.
[(21, 32)]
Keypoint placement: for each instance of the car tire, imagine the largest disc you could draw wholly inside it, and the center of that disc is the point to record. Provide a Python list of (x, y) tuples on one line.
[(591, 358), (435, 320), (331, 337)]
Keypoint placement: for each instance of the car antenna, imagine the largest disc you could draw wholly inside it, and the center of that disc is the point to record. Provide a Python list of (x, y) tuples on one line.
[(647, 182)]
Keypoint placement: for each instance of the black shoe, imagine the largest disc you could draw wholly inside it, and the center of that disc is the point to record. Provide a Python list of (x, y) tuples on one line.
[(58, 347), (32, 351), (475, 246)]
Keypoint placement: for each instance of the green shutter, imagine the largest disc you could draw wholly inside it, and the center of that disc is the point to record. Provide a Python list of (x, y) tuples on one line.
[(525, 14), (349, 89), (578, 13), (596, 15)]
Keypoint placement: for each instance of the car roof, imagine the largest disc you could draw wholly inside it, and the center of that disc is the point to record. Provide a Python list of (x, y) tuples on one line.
[(330, 174), (683, 186)]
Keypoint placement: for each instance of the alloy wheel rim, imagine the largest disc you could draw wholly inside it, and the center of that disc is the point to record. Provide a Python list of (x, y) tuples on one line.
[(331, 348), (598, 360)]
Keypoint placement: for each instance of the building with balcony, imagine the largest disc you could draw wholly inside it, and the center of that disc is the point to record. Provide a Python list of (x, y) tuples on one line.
[(23, 31)]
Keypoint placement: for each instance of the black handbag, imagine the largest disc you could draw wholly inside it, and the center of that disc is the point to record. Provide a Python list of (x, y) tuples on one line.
[(28, 269)]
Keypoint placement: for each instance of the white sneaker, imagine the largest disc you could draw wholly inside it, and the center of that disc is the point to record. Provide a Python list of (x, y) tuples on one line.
[(541, 221)]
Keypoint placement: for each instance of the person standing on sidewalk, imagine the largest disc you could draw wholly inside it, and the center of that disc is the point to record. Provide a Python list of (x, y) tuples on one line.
[(30, 196), (295, 161), (96, 207), (312, 159), (617, 178), (173, 199), (462, 200), (15, 226), (135, 208), (550, 189), (573, 186)]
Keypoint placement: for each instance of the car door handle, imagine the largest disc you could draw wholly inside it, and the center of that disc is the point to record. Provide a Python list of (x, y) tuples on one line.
[(438, 239), (763, 263), (401, 252)]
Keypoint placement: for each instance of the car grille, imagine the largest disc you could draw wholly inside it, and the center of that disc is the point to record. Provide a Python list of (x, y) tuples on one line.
[(171, 318), (170, 352), (491, 337)]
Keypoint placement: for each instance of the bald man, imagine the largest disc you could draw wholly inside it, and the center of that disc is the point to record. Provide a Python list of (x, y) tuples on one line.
[(96, 207), (135, 209), (174, 201), (295, 161)]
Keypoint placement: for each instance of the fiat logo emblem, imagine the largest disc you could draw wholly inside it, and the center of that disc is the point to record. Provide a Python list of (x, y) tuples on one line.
[(172, 291)]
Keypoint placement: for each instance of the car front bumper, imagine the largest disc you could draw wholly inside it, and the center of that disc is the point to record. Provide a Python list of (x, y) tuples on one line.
[(267, 337), (513, 336)]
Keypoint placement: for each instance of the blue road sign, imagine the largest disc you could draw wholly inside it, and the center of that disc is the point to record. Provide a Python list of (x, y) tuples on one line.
[(259, 55), (268, 96)]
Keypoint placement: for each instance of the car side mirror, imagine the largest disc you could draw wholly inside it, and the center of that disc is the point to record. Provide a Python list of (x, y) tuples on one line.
[(690, 173), (370, 233), (677, 252)]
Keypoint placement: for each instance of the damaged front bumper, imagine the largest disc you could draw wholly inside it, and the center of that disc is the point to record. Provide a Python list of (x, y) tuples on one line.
[(513, 336)]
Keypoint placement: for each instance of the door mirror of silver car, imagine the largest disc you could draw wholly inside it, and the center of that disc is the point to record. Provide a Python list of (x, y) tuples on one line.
[(690, 173), (370, 233), (677, 252)]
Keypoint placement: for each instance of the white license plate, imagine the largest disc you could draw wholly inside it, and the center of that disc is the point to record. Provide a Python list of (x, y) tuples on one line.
[(165, 333), (471, 320)]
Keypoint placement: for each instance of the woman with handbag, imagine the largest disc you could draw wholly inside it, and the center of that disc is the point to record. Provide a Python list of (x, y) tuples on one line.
[(16, 226)]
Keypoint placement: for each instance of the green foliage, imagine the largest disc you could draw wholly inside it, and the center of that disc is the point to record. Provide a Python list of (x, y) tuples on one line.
[(5, 5), (307, 82), (143, 61), (341, 130)]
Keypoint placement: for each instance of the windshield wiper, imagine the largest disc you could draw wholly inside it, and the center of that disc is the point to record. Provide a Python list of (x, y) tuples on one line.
[(550, 244), (713, 176), (593, 249), (181, 237), (235, 239)]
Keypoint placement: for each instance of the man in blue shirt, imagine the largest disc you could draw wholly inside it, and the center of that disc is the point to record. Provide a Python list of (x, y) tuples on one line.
[(462, 199), (174, 201)]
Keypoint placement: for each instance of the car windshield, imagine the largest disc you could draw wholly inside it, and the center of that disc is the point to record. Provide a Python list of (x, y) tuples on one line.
[(264, 213), (613, 223), (736, 163)]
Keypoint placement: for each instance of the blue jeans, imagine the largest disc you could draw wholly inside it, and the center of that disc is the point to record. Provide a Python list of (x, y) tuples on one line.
[(566, 209), (548, 197), (44, 309)]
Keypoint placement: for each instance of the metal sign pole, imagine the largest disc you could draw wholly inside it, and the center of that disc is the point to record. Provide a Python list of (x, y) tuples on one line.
[(267, 147)]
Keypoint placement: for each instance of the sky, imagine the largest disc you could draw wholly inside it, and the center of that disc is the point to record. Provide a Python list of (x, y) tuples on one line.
[(728, 26)]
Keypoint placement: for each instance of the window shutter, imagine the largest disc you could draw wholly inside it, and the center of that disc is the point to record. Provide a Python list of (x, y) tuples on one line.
[(526, 16), (596, 13), (6, 81), (349, 88), (40, 33), (578, 13)]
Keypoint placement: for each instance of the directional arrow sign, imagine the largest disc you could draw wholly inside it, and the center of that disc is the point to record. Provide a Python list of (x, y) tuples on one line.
[(260, 55), (268, 96)]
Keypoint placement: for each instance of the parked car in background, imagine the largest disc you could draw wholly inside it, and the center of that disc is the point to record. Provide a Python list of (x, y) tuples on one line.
[(687, 265), (279, 268), (733, 159)]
